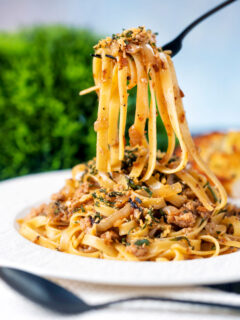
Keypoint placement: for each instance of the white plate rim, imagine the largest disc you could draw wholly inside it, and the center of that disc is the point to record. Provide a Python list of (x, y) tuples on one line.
[(15, 251)]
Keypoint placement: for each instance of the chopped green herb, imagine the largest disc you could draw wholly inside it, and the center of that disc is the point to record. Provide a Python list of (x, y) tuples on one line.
[(130, 230), (115, 194), (149, 75), (115, 36), (134, 186), (126, 42), (218, 232), (144, 226), (163, 214), (147, 190), (129, 34), (129, 159), (211, 190), (141, 242), (56, 211), (151, 213), (100, 198), (97, 217), (181, 238), (173, 159), (93, 169), (131, 184), (82, 208), (156, 33), (109, 203), (221, 211), (124, 241), (97, 204), (132, 150), (78, 209)]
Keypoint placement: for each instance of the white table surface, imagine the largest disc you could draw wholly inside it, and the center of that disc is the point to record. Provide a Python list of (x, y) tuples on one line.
[(14, 306)]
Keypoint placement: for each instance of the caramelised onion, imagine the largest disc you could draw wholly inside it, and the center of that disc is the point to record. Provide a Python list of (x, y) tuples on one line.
[(108, 222), (170, 210)]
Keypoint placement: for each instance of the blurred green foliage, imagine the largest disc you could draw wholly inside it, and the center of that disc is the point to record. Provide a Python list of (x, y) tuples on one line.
[(45, 124)]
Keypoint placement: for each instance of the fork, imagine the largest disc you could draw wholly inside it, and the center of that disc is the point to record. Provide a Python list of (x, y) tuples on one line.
[(176, 44), (58, 299)]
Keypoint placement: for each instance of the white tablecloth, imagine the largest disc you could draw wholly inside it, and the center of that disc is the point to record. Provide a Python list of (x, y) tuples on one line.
[(16, 307)]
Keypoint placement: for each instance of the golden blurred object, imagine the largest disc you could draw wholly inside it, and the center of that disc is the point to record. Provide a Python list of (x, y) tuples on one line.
[(221, 151)]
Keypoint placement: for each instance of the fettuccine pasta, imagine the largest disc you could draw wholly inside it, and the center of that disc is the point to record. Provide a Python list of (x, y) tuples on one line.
[(134, 202)]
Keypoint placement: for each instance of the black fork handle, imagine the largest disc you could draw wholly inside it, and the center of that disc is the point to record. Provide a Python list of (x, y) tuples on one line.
[(176, 44), (231, 307)]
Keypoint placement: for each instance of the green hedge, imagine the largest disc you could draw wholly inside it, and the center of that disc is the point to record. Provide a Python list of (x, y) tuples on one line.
[(45, 124)]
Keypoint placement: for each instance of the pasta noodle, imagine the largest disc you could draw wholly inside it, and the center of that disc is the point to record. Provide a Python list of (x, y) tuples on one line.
[(135, 202)]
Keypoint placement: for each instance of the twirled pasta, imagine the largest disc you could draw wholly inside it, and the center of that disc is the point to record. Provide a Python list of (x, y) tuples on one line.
[(134, 202)]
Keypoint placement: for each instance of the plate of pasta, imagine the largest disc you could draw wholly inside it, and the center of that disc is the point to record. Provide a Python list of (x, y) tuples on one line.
[(133, 215)]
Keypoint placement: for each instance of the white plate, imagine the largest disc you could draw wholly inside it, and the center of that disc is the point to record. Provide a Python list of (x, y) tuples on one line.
[(17, 195)]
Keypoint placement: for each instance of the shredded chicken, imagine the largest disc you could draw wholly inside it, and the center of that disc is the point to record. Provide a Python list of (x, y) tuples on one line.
[(82, 189), (109, 236), (85, 223), (41, 210), (182, 218), (203, 212), (138, 251)]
